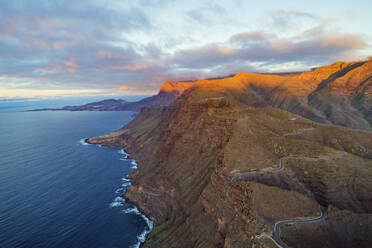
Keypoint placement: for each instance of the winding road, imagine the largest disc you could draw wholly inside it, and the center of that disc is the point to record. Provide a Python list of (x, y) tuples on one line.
[(245, 176), (277, 225), (276, 233)]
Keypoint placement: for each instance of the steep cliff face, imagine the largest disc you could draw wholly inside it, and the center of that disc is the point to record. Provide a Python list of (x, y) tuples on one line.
[(346, 97), (336, 94), (175, 87), (212, 172), (169, 91), (190, 152)]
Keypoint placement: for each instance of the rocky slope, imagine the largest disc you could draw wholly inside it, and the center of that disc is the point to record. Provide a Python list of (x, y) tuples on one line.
[(346, 97), (209, 163), (336, 94), (339, 94)]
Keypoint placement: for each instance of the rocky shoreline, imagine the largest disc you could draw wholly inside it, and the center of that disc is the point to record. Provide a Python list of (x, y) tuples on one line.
[(217, 130), (123, 195), (151, 195)]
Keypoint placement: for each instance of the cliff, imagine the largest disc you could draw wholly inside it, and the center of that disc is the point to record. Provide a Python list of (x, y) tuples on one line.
[(334, 94), (223, 163)]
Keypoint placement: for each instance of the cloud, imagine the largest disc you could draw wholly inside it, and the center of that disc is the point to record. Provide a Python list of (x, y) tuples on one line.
[(47, 93), (71, 65), (289, 18), (41, 41), (203, 15), (251, 36), (52, 69), (265, 48), (59, 44), (139, 67), (136, 45), (125, 88)]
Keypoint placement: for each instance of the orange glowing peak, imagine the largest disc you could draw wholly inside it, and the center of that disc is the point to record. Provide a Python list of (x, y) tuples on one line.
[(176, 86)]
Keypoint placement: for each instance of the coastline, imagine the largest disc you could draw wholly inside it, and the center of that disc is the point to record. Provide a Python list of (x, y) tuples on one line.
[(132, 206)]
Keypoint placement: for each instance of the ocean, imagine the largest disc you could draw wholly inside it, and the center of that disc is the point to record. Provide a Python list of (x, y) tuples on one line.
[(58, 191)]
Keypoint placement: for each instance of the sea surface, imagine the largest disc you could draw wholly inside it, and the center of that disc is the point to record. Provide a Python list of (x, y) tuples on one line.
[(58, 191)]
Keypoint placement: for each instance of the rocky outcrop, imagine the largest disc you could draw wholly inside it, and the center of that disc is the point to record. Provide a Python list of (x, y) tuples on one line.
[(334, 94), (190, 152), (345, 97)]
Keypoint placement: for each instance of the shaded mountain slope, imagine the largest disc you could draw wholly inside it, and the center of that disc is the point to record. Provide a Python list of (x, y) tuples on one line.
[(190, 151), (334, 94), (346, 97)]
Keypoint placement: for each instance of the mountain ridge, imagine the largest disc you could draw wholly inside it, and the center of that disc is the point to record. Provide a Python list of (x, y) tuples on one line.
[(190, 151), (339, 93)]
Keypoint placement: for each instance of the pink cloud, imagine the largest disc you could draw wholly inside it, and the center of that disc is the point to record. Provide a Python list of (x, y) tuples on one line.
[(59, 45), (71, 65), (52, 69), (125, 88), (104, 54), (138, 67)]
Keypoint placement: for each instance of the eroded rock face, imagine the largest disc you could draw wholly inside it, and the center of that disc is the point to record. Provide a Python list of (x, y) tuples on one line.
[(335, 94), (175, 87), (342, 229), (225, 129), (340, 93), (188, 154), (345, 97)]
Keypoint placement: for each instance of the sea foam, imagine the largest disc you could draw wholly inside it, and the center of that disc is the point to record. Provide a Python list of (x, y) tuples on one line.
[(126, 184), (132, 210), (134, 164), (82, 141), (120, 191), (142, 236), (118, 201), (121, 151)]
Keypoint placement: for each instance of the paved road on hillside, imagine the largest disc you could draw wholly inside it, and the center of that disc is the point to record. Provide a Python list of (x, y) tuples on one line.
[(278, 224), (245, 176)]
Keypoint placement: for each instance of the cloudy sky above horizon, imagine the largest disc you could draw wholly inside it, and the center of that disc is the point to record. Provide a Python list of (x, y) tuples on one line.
[(110, 48)]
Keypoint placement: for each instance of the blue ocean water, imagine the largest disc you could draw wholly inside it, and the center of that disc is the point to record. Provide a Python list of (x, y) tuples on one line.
[(56, 191)]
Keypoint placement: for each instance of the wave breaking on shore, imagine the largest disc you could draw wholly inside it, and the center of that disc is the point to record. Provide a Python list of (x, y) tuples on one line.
[(133, 209), (119, 201), (141, 237)]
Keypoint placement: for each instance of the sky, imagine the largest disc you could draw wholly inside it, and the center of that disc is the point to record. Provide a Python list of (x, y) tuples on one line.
[(81, 48)]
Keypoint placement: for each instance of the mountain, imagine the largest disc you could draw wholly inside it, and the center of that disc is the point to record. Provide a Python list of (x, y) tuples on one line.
[(335, 94), (169, 91), (236, 162), (345, 98)]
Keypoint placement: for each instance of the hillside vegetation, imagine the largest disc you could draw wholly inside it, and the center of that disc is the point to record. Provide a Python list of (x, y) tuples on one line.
[(209, 163)]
